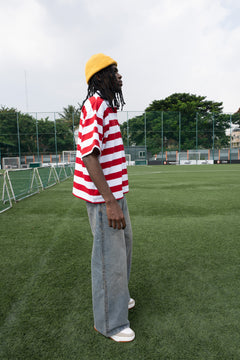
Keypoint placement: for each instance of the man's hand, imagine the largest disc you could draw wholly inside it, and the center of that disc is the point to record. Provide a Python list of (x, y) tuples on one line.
[(114, 212), (115, 215)]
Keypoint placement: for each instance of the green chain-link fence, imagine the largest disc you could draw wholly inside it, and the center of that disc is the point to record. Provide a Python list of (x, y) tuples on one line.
[(149, 137)]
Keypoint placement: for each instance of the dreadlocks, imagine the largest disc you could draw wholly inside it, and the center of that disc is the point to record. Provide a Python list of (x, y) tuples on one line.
[(105, 84)]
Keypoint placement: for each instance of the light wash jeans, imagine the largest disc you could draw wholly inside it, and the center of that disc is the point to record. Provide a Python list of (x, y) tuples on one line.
[(111, 264)]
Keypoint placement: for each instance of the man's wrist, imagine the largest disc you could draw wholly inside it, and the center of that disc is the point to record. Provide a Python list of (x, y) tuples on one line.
[(109, 200)]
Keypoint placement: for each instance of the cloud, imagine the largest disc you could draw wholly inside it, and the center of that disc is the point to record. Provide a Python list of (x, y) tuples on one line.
[(183, 47), (24, 37), (162, 47)]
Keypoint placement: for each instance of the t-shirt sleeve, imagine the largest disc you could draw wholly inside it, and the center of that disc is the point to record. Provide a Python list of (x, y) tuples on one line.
[(92, 127)]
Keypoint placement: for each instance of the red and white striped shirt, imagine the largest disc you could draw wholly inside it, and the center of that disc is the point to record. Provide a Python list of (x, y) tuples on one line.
[(99, 128)]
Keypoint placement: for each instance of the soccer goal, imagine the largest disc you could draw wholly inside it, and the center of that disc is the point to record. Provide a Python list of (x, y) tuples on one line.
[(189, 158), (11, 163), (193, 158), (22, 183), (5, 200), (128, 160), (68, 156), (18, 184)]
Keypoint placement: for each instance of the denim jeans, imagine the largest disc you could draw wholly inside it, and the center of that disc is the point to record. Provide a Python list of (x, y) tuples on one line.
[(111, 264)]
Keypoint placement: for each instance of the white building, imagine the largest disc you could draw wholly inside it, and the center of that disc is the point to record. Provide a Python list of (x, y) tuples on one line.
[(236, 137)]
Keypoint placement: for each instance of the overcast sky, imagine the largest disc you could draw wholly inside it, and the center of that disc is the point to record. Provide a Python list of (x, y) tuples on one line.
[(161, 46)]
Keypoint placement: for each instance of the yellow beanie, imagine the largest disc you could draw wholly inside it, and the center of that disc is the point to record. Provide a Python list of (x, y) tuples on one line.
[(96, 63)]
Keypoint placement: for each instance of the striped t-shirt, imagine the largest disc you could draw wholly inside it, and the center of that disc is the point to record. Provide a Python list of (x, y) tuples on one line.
[(99, 128)]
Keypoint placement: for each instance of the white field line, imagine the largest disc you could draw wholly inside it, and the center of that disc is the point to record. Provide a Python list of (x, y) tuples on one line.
[(182, 172)]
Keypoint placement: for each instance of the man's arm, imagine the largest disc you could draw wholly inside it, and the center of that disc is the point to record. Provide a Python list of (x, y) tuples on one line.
[(114, 212)]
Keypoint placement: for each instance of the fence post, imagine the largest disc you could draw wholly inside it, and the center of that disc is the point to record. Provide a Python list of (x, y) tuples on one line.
[(230, 138), (196, 131), (213, 140), (179, 138), (127, 135), (162, 135), (74, 145), (55, 136), (145, 134), (19, 146), (37, 137)]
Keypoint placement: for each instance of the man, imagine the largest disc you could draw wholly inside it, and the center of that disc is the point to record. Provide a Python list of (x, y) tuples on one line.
[(101, 180)]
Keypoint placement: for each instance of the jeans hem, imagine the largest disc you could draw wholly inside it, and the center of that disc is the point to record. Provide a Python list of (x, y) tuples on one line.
[(114, 331)]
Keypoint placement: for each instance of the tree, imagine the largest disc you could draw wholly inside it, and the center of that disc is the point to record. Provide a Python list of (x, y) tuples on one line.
[(186, 103), (180, 119), (15, 128), (236, 118), (23, 132), (71, 115), (8, 130), (64, 136)]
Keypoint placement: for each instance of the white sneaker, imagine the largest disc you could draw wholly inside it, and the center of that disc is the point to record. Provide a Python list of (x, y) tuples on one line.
[(131, 304), (125, 335)]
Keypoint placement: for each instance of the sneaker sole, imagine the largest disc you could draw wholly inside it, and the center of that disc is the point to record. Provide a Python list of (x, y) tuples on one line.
[(131, 306), (116, 339), (125, 340)]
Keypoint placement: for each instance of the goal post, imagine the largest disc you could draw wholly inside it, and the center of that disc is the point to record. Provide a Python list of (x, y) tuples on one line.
[(5, 199), (68, 156), (48, 176), (11, 163), (129, 161), (18, 184), (22, 183), (192, 158)]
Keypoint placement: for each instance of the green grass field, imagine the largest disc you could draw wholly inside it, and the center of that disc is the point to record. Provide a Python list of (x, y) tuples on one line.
[(185, 274)]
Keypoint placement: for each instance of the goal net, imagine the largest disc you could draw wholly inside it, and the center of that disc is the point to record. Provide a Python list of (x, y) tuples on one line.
[(68, 156), (189, 157), (5, 200), (11, 163), (17, 184), (22, 183), (192, 158), (128, 160)]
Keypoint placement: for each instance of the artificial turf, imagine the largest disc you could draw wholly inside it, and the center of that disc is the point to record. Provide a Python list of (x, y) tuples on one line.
[(185, 271)]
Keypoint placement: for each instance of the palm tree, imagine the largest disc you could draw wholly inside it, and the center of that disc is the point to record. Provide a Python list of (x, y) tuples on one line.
[(71, 115)]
